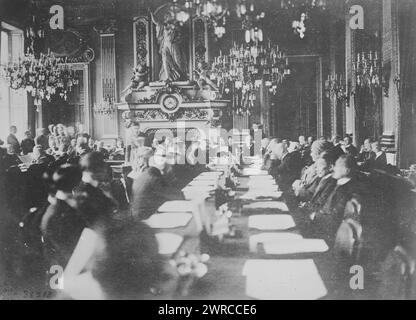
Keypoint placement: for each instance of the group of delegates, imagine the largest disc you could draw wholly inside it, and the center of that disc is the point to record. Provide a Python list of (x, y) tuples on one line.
[(51, 202), (342, 192)]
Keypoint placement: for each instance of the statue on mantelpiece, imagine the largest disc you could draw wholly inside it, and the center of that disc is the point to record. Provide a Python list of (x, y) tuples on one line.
[(172, 44)]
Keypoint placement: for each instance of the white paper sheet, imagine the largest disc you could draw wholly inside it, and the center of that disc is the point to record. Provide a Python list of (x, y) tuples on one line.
[(168, 243), (254, 194), (271, 222), (198, 183), (271, 237), (177, 206), (295, 246), (278, 205), (254, 172), (168, 220), (283, 280)]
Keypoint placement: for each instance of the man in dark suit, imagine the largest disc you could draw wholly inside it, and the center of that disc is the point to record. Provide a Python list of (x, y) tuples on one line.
[(288, 169), (41, 157), (12, 140), (27, 143), (42, 138), (149, 188), (379, 160), (349, 148), (365, 156), (336, 149)]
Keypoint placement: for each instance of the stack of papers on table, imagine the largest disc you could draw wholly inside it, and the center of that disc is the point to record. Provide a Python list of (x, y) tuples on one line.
[(258, 194), (277, 205), (271, 237), (271, 222), (283, 280), (169, 220), (168, 243), (177, 206)]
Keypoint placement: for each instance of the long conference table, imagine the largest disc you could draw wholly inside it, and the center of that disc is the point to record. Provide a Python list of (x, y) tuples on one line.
[(267, 258)]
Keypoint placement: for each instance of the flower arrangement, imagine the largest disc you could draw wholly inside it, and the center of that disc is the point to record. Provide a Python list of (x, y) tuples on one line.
[(189, 268)]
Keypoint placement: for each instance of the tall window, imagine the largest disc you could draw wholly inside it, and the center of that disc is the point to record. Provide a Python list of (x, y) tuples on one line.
[(13, 104)]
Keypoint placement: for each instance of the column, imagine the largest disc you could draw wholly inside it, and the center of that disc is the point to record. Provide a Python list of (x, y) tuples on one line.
[(390, 52)]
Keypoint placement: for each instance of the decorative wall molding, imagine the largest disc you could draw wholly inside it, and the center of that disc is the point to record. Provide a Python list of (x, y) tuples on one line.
[(141, 41)]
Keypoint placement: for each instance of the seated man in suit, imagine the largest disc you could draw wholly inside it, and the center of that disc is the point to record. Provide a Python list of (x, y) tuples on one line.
[(289, 168), (96, 205), (41, 157), (149, 189), (309, 173), (329, 216), (379, 160), (349, 148), (324, 166), (365, 156), (337, 150)]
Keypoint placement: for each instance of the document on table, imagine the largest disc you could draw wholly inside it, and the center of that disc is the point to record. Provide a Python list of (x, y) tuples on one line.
[(283, 280), (257, 194), (254, 172), (271, 222), (169, 220), (272, 237), (294, 246), (177, 206), (278, 205), (168, 243), (198, 183)]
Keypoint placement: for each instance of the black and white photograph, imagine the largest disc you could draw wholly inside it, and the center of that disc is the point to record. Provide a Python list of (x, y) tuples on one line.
[(207, 155)]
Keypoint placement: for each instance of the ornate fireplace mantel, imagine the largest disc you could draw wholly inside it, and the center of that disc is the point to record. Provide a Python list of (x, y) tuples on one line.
[(161, 105)]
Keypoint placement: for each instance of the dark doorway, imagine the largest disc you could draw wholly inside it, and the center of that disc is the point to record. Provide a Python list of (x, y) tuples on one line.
[(294, 109), (69, 112)]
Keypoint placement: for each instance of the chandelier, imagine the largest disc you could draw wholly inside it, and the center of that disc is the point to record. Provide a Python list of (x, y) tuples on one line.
[(106, 107), (243, 71), (214, 11), (41, 77), (367, 70)]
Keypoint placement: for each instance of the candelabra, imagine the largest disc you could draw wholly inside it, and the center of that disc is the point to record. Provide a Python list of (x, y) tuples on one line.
[(367, 70), (336, 86), (245, 69), (106, 107)]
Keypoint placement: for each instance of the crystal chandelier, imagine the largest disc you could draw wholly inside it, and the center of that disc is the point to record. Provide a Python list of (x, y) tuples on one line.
[(214, 11), (243, 71), (41, 77)]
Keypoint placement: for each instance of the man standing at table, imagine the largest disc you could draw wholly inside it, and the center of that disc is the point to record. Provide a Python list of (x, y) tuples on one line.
[(12, 140), (136, 140)]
